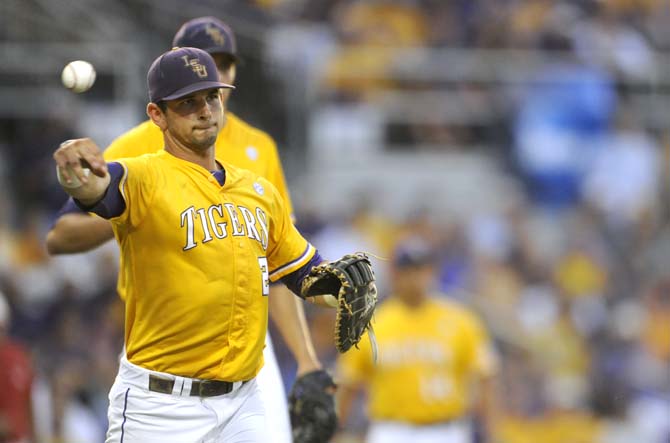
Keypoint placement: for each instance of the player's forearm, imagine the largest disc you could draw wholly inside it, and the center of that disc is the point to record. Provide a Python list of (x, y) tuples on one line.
[(90, 192), (287, 313), (75, 233), (344, 398), (486, 407)]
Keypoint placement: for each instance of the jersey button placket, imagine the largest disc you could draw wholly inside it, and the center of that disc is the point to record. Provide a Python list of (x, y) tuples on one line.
[(243, 281)]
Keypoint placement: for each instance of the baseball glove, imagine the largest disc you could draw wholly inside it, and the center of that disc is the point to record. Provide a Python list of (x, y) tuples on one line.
[(351, 281), (312, 408)]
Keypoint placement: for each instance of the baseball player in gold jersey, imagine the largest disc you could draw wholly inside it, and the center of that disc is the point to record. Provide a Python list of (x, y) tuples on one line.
[(239, 144), (431, 353), (200, 240)]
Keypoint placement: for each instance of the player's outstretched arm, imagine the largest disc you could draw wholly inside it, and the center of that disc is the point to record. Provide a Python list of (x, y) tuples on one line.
[(78, 232), (486, 407), (74, 159), (288, 314)]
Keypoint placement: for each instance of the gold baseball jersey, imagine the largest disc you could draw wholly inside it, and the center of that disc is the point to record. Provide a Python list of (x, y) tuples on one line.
[(198, 257), (428, 357), (238, 143)]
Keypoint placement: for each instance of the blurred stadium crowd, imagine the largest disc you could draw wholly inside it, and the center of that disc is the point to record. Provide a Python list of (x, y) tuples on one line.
[(570, 270)]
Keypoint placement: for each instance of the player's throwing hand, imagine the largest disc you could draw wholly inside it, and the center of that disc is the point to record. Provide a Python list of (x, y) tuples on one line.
[(74, 160)]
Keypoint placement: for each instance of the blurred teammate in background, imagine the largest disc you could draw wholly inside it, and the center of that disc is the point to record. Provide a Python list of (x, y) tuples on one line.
[(16, 378), (244, 146), (435, 368)]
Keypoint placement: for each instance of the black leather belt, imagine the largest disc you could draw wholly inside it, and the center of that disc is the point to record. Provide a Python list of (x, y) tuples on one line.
[(199, 388)]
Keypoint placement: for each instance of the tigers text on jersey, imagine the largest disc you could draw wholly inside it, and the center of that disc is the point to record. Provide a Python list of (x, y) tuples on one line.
[(428, 357), (197, 260), (238, 143)]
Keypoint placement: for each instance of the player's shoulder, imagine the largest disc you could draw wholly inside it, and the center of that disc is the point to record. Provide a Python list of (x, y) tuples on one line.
[(237, 177), (241, 176), (389, 313), (389, 307), (445, 303), (235, 174), (142, 139), (436, 304), (149, 160), (456, 310), (248, 134), (140, 129)]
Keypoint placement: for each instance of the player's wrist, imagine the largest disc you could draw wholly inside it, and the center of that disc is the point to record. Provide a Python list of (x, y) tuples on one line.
[(307, 365), (91, 192)]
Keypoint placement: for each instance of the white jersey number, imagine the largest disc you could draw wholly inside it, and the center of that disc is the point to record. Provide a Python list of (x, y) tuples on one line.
[(265, 275), (435, 388)]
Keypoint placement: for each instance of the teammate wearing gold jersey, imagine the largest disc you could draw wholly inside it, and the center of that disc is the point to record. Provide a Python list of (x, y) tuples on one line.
[(434, 355), (242, 145), (200, 241)]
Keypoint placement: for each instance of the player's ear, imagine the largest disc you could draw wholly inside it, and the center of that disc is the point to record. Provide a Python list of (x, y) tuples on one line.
[(157, 115)]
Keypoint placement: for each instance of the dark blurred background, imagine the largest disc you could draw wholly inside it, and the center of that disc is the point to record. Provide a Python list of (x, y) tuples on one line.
[(528, 139)]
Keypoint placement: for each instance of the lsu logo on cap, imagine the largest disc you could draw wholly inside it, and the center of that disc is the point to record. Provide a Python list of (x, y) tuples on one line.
[(215, 34), (194, 64)]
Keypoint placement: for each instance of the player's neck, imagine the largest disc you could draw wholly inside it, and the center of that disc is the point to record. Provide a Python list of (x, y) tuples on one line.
[(205, 158), (413, 301)]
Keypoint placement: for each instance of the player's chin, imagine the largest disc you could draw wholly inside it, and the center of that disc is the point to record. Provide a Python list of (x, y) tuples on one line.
[(204, 142), (205, 136)]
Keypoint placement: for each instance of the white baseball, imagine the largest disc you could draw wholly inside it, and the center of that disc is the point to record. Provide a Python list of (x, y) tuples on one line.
[(75, 181), (331, 300), (78, 76)]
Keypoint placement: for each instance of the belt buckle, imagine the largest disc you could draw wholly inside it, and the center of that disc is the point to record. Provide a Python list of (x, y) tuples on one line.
[(210, 388), (159, 384)]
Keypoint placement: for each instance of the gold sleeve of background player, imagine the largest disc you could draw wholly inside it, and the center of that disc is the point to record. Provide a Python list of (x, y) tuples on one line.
[(276, 176), (144, 138)]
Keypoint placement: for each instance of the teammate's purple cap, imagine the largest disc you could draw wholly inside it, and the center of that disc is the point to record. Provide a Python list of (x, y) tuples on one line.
[(207, 33), (182, 71)]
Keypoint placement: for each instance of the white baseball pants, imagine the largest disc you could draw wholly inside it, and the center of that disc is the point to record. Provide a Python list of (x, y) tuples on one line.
[(396, 432), (138, 415), (271, 385)]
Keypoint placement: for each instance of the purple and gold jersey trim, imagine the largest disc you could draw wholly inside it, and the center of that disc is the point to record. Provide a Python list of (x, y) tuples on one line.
[(113, 202), (293, 281), (293, 265), (122, 182)]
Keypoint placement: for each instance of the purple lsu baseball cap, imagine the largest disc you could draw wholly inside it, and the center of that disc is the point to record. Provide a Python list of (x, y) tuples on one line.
[(182, 71), (207, 33), (413, 252)]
